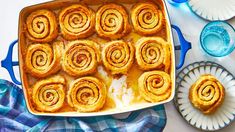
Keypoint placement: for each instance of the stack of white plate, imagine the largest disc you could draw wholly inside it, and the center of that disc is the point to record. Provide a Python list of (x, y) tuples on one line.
[(213, 9)]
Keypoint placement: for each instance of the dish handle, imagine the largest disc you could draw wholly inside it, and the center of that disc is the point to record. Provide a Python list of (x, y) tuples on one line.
[(184, 46), (8, 64)]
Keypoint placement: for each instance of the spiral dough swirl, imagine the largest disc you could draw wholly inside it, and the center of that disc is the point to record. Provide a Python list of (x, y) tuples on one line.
[(41, 26), (87, 94), (146, 18), (49, 94), (155, 86), (77, 21), (118, 56), (112, 21), (153, 53), (81, 57), (42, 60), (207, 94)]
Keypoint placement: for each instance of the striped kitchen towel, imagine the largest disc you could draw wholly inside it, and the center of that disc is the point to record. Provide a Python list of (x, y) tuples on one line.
[(14, 116)]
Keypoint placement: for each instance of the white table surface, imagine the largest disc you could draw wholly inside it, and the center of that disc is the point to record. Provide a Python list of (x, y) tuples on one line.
[(190, 24)]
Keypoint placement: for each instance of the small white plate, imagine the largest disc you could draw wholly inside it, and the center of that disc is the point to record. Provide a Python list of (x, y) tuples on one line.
[(224, 115), (213, 9)]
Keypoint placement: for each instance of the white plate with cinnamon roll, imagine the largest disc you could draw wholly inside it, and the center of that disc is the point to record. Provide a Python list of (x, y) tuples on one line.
[(90, 58), (205, 96)]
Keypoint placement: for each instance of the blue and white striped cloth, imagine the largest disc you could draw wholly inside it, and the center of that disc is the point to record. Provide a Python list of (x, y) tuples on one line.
[(15, 117)]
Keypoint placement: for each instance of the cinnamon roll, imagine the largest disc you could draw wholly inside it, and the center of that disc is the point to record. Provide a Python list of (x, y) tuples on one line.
[(146, 18), (81, 57), (207, 94), (77, 21), (112, 21), (155, 86), (49, 94), (87, 94), (153, 53), (41, 26), (118, 56), (42, 60)]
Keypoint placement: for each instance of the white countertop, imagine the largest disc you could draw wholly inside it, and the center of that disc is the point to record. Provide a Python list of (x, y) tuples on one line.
[(190, 24)]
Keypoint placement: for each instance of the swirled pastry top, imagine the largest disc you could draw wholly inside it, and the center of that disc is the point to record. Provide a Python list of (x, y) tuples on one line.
[(49, 94), (87, 94), (41, 26), (155, 86), (112, 21), (77, 21), (118, 56), (153, 53), (43, 60), (207, 94), (146, 18), (81, 57)]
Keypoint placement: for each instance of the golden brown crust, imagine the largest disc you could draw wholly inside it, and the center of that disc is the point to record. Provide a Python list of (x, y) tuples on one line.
[(87, 94), (153, 53), (112, 21), (207, 94), (155, 86), (49, 94), (42, 60), (41, 26), (81, 57), (77, 21), (146, 18), (118, 56)]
